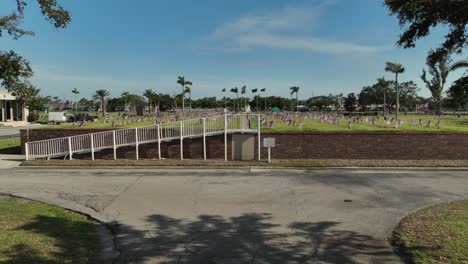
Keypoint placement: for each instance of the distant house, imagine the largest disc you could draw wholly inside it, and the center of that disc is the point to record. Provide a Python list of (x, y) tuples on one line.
[(11, 109)]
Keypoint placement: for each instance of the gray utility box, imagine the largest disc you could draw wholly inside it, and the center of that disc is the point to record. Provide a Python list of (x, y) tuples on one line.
[(243, 147)]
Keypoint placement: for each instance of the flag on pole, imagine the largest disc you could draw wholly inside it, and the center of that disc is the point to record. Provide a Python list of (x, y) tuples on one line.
[(243, 90), (224, 90), (263, 90), (254, 90)]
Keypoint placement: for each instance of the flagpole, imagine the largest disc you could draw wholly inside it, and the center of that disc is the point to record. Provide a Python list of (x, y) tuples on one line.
[(257, 103)]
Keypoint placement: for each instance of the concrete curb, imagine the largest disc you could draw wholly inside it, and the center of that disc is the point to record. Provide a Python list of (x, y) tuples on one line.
[(236, 168)]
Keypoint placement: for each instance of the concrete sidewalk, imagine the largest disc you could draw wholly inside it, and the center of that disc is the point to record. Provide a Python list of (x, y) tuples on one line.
[(9, 161), (210, 216)]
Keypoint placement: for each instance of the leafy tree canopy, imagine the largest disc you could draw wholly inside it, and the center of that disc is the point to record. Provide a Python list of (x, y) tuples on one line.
[(458, 93), (418, 17), (14, 69), (350, 102)]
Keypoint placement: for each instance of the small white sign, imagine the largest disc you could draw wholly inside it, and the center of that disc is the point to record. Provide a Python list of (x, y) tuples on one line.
[(269, 142)]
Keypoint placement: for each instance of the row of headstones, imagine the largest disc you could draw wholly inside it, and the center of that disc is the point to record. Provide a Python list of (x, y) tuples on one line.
[(335, 119)]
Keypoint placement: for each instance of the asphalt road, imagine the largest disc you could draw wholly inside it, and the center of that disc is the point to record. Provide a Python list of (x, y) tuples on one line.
[(212, 216)]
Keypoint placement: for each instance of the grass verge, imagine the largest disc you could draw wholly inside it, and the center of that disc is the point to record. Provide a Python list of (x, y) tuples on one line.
[(437, 234), (32, 232), (10, 146), (275, 163)]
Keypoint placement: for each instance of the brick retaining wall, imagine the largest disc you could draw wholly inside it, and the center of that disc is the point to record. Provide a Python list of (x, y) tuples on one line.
[(370, 145), (298, 145)]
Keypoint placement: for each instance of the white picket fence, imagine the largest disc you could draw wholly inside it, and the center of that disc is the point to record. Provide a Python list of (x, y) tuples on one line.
[(201, 127)]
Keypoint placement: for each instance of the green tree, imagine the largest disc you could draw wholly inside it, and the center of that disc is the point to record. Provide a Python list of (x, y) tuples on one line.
[(350, 102), (396, 69), (101, 95), (76, 92), (28, 96), (419, 17), (383, 86), (295, 90), (181, 80), (125, 97), (149, 93), (458, 93), (15, 69), (439, 72)]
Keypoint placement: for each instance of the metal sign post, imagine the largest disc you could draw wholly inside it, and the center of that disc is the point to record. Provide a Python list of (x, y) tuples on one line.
[(269, 143)]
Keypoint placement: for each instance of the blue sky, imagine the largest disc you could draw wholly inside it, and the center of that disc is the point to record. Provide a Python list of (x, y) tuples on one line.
[(324, 46)]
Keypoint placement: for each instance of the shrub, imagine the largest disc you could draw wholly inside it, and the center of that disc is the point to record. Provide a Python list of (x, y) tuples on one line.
[(33, 117)]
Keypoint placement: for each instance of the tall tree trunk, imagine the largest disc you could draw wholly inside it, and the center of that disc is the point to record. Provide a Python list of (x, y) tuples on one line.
[(297, 102), (149, 105), (397, 97), (103, 105), (384, 101), (183, 99), (439, 105)]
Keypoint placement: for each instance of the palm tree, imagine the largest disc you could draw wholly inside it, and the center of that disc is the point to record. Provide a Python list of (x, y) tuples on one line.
[(149, 94), (189, 91), (76, 92), (125, 96), (383, 84), (295, 90), (102, 94), (395, 68), (181, 80), (155, 101), (440, 72)]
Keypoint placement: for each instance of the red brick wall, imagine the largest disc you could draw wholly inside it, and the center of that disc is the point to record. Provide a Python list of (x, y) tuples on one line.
[(306, 145), (369, 145)]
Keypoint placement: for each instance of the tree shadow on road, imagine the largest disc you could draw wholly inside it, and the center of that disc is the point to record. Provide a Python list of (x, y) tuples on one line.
[(249, 238)]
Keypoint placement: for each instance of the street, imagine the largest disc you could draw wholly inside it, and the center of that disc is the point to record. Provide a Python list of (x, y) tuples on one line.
[(242, 216)]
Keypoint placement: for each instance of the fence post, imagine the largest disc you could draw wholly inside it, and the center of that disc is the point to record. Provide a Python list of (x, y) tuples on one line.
[(181, 140), (159, 141), (204, 138), (259, 138), (70, 152), (242, 122), (26, 150), (136, 143), (92, 146), (225, 138), (114, 145)]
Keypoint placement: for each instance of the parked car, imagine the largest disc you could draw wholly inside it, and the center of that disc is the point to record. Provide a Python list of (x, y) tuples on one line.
[(57, 117)]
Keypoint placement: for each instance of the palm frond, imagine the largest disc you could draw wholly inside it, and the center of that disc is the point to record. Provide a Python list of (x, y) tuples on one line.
[(458, 65)]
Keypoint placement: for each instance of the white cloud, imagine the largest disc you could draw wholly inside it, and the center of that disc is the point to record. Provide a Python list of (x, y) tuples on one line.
[(282, 29)]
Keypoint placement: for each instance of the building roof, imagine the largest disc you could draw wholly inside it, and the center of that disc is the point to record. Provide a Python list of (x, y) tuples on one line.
[(5, 95)]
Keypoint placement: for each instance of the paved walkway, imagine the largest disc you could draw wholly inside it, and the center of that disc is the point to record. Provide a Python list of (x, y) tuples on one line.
[(212, 216), (8, 161)]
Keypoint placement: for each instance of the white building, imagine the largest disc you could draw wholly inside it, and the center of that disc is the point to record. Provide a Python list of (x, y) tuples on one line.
[(11, 109)]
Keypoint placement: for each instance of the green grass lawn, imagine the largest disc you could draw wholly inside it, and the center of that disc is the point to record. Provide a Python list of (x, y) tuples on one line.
[(32, 232), (10, 146), (438, 234), (449, 123)]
